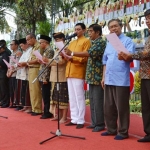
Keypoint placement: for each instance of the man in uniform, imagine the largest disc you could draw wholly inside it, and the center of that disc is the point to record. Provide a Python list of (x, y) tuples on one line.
[(34, 88)]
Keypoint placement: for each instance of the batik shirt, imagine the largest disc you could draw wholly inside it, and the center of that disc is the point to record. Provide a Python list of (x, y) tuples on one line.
[(94, 70), (144, 57), (49, 53)]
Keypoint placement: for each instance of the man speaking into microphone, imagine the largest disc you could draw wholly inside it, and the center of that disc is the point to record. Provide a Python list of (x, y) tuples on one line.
[(75, 73)]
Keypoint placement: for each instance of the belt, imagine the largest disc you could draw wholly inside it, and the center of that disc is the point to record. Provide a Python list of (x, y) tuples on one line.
[(33, 67)]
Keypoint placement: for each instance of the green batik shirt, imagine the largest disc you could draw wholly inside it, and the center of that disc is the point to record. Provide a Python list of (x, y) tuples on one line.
[(94, 69)]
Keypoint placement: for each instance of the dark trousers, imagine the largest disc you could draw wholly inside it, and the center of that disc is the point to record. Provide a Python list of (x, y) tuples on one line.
[(116, 109), (46, 97), (96, 96), (145, 99), (25, 95), (12, 88), (4, 91)]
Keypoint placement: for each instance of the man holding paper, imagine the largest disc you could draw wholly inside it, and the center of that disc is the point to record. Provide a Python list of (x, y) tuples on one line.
[(62, 94), (4, 82), (22, 75), (44, 78), (116, 82), (11, 73), (75, 73), (144, 57), (34, 88)]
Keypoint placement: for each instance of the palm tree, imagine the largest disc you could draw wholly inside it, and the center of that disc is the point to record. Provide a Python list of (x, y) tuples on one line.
[(4, 5)]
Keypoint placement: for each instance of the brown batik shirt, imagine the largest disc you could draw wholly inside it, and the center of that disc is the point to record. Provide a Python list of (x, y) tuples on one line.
[(144, 57)]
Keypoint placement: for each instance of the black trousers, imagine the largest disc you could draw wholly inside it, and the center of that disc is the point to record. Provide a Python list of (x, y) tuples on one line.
[(4, 91), (12, 88), (116, 109), (96, 96), (46, 97), (145, 99)]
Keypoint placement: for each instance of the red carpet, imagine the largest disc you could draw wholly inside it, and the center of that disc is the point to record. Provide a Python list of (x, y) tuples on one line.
[(24, 132)]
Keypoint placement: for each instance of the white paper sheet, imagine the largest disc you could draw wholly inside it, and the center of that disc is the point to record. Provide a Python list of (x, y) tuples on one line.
[(38, 55), (7, 64), (60, 45), (116, 43), (13, 59)]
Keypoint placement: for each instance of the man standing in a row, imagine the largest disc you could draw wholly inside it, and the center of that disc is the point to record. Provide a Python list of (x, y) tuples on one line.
[(34, 88), (75, 73), (4, 81), (11, 73), (44, 78), (144, 57), (116, 77)]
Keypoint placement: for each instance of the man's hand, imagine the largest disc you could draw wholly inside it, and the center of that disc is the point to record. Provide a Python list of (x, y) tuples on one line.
[(45, 82), (40, 62), (102, 83), (18, 54), (67, 51), (45, 59), (9, 73), (125, 56), (120, 57), (22, 64)]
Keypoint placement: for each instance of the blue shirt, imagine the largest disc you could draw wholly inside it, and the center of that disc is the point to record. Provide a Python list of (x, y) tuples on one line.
[(117, 71)]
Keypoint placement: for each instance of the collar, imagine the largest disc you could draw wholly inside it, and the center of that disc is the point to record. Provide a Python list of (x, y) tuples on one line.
[(81, 37), (48, 47), (93, 41), (36, 44), (121, 35)]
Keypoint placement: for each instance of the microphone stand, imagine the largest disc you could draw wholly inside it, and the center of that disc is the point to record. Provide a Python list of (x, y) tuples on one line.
[(4, 117), (58, 131)]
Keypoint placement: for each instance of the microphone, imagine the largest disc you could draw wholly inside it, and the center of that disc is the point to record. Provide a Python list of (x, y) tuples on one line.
[(71, 36)]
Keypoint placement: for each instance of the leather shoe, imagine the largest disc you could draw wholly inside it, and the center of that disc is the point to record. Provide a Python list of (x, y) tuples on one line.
[(107, 134), (90, 127), (35, 114), (79, 126), (12, 106), (70, 124), (145, 139), (46, 116), (4, 106), (97, 129)]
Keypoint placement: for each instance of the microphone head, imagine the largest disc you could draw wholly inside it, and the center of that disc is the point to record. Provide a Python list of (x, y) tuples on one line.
[(75, 34), (71, 36)]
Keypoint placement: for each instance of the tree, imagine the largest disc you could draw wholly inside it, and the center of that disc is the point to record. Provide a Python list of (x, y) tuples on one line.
[(43, 27), (29, 12), (4, 5)]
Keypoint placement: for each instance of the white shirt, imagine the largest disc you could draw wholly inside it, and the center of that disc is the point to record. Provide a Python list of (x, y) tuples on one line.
[(22, 73)]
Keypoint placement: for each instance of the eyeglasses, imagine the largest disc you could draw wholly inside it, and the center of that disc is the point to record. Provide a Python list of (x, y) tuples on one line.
[(113, 26)]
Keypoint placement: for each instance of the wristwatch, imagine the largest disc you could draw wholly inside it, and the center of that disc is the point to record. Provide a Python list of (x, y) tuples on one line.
[(72, 53)]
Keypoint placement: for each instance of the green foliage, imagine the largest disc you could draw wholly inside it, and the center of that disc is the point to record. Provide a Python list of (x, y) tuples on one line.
[(4, 4), (87, 102), (43, 27), (135, 106), (137, 83), (29, 13)]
